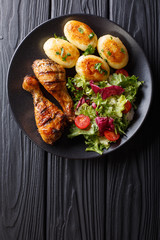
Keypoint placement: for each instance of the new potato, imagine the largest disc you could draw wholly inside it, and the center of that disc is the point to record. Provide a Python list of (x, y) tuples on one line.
[(80, 34), (92, 68), (61, 51), (113, 50)]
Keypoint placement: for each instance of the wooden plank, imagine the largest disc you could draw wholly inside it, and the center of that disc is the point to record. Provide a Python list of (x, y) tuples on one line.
[(75, 204), (133, 181), (22, 164), (116, 197), (76, 188), (96, 7)]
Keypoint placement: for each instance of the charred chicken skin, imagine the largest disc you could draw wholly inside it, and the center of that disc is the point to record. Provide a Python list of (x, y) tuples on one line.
[(53, 78), (50, 120)]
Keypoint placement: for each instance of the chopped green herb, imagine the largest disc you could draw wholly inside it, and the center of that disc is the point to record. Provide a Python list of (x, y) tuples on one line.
[(62, 37), (55, 35), (89, 50), (62, 54), (91, 35), (111, 37), (102, 50), (122, 50), (64, 58), (109, 53), (57, 53), (81, 30), (98, 67), (62, 51)]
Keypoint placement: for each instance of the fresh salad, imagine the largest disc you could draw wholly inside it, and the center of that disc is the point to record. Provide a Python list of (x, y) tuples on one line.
[(103, 109), (103, 92)]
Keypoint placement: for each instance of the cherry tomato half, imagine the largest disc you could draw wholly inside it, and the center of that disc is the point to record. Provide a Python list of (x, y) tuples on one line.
[(111, 136), (82, 121), (128, 107), (122, 71)]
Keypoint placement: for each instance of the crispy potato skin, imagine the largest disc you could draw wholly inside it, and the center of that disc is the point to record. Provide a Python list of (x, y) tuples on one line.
[(112, 49), (61, 51), (80, 39), (85, 66)]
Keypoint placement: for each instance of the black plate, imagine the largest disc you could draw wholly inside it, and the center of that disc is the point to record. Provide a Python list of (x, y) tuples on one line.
[(31, 49)]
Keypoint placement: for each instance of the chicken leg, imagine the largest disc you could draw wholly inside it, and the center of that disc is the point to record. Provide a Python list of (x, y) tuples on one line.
[(53, 77), (50, 120)]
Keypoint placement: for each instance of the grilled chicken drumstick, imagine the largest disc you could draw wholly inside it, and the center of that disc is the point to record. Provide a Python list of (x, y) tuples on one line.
[(53, 77), (50, 120)]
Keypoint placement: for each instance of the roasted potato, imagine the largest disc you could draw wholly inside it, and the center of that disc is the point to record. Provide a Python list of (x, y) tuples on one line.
[(80, 34), (113, 50), (61, 51), (92, 68)]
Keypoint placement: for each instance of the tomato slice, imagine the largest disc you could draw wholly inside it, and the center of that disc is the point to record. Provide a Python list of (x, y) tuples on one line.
[(82, 121), (128, 107), (122, 71), (111, 136)]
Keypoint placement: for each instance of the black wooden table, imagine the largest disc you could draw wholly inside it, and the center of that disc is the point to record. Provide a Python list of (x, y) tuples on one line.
[(43, 196)]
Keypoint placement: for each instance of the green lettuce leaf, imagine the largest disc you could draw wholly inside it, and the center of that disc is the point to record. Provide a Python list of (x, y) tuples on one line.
[(86, 110), (78, 86), (96, 144), (121, 124), (130, 84), (75, 131), (119, 105), (111, 107), (75, 94)]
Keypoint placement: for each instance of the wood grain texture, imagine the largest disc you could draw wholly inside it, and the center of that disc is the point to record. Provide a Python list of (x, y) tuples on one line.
[(96, 7), (76, 188), (75, 204), (136, 196), (22, 164), (117, 197)]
